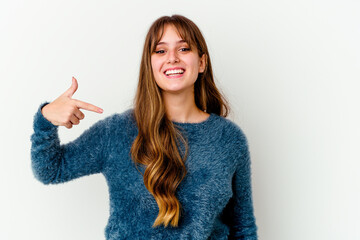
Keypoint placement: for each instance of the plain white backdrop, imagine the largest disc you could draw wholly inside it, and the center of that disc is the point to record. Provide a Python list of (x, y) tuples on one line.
[(290, 69)]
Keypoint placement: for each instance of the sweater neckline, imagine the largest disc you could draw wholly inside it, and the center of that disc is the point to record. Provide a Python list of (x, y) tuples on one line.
[(193, 127), (197, 131), (190, 125), (203, 132)]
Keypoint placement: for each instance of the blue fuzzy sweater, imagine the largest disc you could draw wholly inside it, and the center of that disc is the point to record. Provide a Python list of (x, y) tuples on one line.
[(215, 195)]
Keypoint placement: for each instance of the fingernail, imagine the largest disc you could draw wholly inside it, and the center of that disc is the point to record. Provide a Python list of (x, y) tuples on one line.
[(100, 110)]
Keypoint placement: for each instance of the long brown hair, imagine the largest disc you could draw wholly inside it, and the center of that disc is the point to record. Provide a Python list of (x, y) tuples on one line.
[(158, 139)]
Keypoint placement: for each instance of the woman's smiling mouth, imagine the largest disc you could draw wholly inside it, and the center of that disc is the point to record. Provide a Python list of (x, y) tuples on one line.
[(174, 72)]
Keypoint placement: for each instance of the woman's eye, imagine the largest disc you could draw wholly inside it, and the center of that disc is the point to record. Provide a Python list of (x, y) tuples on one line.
[(181, 49)]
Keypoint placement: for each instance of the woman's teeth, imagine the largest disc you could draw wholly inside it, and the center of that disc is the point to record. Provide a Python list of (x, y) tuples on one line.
[(174, 72)]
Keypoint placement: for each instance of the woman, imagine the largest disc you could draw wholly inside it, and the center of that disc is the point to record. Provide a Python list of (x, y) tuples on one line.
[(175, 166)]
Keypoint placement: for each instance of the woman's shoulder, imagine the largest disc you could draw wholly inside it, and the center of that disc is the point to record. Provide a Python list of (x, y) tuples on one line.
[(230, 126), (118, 125), (231, 131), (120, 118), (123, 116), (116, 121)]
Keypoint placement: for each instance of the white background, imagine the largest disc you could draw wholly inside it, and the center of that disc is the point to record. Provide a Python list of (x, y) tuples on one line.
[(290, 70)]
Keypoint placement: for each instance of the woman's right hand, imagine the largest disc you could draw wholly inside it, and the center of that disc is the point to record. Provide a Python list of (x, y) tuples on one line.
[(64, 111)]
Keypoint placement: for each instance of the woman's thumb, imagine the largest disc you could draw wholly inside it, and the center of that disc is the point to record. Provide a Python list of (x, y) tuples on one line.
[(73, 88)]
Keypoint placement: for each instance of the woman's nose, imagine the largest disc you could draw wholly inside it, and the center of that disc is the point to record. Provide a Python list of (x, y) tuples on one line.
[(173, 57)]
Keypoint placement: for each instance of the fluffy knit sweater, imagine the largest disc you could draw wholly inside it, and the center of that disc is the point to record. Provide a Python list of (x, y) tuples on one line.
[(215, 195)]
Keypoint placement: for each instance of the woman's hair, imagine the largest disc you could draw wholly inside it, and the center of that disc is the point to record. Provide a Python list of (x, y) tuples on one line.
[(157, 142)]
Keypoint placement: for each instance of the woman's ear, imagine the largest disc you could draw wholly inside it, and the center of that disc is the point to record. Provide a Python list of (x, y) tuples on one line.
[(202, 63)]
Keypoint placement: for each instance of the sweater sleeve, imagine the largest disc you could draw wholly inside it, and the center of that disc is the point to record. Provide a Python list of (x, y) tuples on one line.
[(239, 212), (53, 162)]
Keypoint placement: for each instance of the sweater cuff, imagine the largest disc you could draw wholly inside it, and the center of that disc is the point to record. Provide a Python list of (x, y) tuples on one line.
[(40, 122)]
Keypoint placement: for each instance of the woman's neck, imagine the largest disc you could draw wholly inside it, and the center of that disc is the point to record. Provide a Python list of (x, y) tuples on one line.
[(182, 108)]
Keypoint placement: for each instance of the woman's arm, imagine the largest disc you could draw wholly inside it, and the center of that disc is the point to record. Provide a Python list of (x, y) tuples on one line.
[(53, 162), (239, 213)]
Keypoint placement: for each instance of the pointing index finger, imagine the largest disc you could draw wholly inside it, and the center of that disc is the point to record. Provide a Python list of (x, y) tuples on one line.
[(87, 106)]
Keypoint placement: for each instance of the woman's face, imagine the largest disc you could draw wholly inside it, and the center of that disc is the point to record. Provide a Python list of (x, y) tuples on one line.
[(174, 65)]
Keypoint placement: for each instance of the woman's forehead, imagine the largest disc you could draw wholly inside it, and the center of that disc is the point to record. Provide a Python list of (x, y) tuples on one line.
[(166, 43), (166, 31), (181, 32)]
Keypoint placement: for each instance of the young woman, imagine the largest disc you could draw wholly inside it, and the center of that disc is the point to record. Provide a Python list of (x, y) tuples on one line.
[(175, 166)]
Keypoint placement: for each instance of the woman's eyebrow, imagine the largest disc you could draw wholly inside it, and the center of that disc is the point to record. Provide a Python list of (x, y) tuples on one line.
[(181, 41)]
